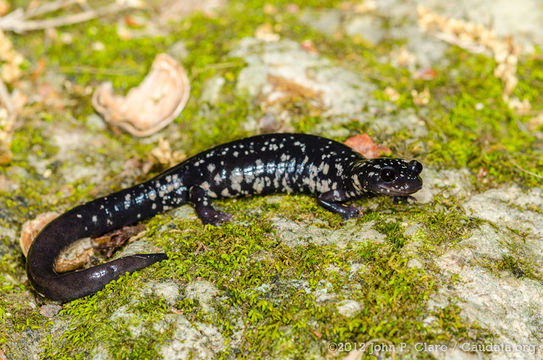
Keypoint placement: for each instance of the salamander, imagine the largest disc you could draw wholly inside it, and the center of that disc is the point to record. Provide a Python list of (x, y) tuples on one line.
[(258, 165)]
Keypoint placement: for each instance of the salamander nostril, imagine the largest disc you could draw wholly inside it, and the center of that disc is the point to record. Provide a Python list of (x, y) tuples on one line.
[(415, 166)]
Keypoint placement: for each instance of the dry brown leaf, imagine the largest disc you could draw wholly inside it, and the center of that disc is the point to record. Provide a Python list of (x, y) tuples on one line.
[(363, 144), (32, 228), (425, 74), (152, 105), (108, 243)]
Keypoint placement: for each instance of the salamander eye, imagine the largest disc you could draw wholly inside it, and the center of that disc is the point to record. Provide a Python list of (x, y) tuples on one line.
[(388, 174)]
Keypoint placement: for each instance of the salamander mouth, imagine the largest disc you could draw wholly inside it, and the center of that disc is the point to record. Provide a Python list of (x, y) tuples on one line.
[(394, 190)]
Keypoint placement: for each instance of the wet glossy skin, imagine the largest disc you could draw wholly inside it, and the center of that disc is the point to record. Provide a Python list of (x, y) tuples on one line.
[(275, 163)]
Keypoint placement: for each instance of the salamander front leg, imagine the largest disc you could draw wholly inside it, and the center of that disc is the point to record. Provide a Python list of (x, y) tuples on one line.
[(202, 205), (332, 201)]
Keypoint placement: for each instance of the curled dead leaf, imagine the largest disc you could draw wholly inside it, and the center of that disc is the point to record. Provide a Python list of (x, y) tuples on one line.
[(75, 256), (152, 105), (32, 228), (363, 144)]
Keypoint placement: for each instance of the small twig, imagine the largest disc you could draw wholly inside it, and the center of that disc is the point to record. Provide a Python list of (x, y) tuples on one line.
[(18, 22), (524, 170), (49, 7), (470, 46)]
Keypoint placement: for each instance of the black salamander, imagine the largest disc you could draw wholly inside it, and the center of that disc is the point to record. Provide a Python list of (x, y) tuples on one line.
[(264, 164)]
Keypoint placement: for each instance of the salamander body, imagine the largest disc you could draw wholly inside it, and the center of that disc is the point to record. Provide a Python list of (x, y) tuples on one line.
[(259, 165)]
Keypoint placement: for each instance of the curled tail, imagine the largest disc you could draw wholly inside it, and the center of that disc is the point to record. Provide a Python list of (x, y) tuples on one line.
[(70, 286), (91, 219)]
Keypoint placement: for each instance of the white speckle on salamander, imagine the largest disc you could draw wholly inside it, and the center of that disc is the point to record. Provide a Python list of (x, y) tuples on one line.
[(79, 216), (236, 177), (286, 186), (217, 179), (356, 183), (225, 192), (258, 185), (94, 218)]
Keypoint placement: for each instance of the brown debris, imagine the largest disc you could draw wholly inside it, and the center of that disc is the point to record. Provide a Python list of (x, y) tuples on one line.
[(393, 94), (164, 154), (4, 7), (309, 46), (32, 228), (21, 21), (421, 98), (285, 90), (10, 72), (477, 39), (10, 60), (108, 243), (363, 144), (152, 105), (426, 74), (265, 33)]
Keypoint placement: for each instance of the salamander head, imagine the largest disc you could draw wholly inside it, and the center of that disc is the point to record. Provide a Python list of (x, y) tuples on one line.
[(394, 177)]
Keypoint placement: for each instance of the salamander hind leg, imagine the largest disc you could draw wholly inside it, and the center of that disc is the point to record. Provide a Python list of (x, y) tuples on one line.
[(206, 212), (332, 201)]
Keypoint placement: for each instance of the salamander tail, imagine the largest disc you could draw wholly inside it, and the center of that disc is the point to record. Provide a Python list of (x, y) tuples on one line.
[(69, 286)]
